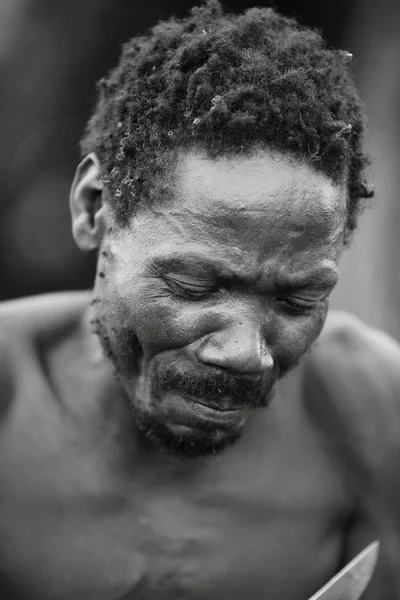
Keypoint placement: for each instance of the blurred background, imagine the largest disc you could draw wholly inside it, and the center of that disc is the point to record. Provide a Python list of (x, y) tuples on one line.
[(51, 55)]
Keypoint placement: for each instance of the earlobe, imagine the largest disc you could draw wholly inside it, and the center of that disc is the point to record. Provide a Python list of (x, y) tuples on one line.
[(86, 203)]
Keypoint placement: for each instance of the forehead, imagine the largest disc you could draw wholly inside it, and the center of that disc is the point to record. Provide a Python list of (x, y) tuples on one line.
[(258, 207), (263, 181)]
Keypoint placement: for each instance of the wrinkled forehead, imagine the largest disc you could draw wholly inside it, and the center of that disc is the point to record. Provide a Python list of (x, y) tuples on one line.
[(249, 214), (264, 197), (260, 181)]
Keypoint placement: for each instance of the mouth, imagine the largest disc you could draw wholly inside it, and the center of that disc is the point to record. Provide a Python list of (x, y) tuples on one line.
[(224, 405), (186, 410)]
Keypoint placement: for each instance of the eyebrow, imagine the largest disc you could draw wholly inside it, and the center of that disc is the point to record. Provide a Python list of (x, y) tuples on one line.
[(176, 262), (322, 278)]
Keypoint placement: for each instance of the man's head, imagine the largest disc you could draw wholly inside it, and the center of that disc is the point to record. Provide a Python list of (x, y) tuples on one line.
[(223, 177)]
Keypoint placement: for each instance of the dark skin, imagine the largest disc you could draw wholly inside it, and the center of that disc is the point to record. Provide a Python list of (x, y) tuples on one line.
[(174, 287), (114, 487)]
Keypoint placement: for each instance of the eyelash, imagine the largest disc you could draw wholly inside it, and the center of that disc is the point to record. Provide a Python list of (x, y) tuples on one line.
[(297, 309), (183, 292), (290, 307)]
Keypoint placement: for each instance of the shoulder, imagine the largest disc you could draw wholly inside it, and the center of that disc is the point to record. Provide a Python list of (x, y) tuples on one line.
[(348, 332), (27, 323), (353, 396), (34, 316), (351, 387), (352, 393), (349, 348)]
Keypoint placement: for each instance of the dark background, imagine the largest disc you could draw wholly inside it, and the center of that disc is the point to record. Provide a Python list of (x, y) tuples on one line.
[(51, 54)]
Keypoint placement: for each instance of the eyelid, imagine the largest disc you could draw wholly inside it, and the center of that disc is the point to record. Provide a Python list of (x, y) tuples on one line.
[(189, 282), (297, 308), (298, 302), (189, 292), (302, 299)]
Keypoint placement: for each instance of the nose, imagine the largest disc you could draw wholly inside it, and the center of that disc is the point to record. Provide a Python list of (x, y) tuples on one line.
[(240, 348)]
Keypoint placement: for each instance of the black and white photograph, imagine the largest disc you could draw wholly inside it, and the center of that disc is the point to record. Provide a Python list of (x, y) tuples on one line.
[(199, 300)]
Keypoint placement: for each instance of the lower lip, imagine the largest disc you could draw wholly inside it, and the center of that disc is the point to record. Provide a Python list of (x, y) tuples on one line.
[(191, 409)]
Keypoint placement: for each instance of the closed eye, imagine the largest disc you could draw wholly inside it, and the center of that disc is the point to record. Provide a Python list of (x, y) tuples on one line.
[(192, 290), (297, 307)]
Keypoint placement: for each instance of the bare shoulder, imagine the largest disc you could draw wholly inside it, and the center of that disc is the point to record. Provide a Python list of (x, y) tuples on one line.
[(27, 322), (33, 315), (352, 390), (348, 346)]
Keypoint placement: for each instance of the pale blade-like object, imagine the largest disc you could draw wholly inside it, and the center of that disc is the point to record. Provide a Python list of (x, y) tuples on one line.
[(351, 581)]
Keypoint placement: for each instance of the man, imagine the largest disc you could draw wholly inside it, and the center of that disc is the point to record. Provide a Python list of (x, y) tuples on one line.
[(196, 426)]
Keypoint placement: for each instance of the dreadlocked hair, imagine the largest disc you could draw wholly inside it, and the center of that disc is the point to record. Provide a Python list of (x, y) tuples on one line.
[(226, 84)]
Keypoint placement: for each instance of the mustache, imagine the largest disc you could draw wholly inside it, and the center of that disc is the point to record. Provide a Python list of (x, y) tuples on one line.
[(242, 391)]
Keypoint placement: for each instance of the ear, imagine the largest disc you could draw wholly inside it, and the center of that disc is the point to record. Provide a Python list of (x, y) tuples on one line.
[(88, 210)]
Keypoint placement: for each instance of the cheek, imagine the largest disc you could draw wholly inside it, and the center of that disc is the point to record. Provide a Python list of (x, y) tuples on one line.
[(295, 336), (159, 323), (141, 315), (168, 325)]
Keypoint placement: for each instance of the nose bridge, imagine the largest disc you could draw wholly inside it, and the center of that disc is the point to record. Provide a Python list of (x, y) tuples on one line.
[(239, 346)]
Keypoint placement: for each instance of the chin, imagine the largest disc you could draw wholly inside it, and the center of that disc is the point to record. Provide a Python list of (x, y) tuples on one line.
[(185, 427), (184, 441)]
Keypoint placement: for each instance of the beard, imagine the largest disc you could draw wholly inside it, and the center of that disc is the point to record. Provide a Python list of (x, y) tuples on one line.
[(212, 386), (215, 388), (202, 441)]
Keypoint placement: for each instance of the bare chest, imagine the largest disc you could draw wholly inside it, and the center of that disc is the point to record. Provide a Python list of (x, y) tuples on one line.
[(264, 520)]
